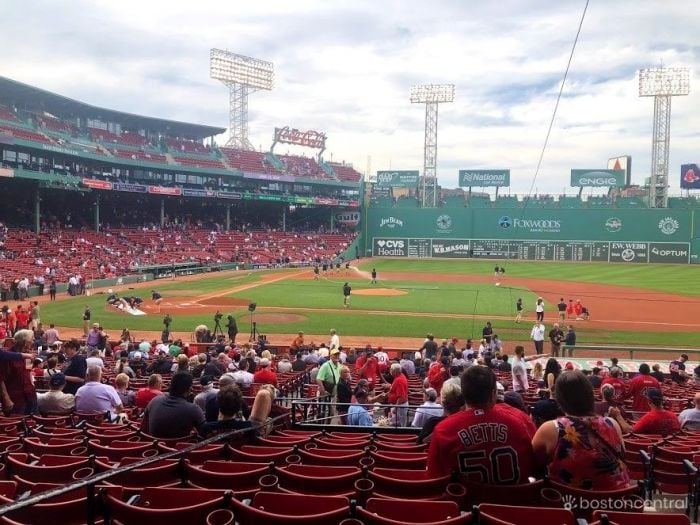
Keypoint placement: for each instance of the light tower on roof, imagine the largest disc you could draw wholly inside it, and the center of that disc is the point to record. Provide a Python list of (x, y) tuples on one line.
[(431, 95), (242, 75), (662, 84)]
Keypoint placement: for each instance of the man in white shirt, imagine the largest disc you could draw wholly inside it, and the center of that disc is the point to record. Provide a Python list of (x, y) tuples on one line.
[(55, 402), (208, 391), (95, 359), (242, 376), (429, 408), (519, 372), (537, 335), (335, 340), (690, 417), (95, 398), (51, 335)]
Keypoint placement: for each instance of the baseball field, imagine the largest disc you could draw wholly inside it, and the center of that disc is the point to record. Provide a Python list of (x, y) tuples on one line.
[(641, 304)]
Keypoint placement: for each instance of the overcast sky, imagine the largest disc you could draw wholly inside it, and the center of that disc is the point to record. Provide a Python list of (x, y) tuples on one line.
[(346, 67)]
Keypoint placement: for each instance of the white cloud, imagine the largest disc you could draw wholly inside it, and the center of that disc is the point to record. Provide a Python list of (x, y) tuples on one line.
[(346, 68)]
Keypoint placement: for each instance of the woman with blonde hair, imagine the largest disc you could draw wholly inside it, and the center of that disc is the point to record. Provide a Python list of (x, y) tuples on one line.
[(121, 385), (182, 364)]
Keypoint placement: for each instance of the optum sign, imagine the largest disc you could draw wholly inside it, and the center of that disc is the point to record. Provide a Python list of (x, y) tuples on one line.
[(597, 178)]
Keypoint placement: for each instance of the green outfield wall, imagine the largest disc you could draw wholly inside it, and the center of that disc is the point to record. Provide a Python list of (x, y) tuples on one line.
[(606, 235)]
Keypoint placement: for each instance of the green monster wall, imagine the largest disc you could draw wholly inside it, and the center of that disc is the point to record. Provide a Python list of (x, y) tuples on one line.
[(617, 235)]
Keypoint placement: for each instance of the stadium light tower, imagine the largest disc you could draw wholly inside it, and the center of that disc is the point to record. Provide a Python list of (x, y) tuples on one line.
[(431, 95), (662, 84), (242, 75)]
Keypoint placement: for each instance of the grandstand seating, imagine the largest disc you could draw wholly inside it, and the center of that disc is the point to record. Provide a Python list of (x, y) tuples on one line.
[(200, 162), (25, 134), (302, 167), (6, 114), (251, 161), (139, 155), (126, 138), (345, 172), (75, 251), (186, 146), (54, 125)]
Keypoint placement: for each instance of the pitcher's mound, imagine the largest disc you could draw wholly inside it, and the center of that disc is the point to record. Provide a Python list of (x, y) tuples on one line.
[(379, 291)]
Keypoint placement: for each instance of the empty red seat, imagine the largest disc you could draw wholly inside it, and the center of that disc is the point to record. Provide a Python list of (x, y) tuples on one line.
[(163, 506), (287, 509), (238, 476), (507, 515), (407, 512)]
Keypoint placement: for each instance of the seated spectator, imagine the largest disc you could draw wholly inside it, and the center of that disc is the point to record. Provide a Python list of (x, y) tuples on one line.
[(55, 402), (656, 421), (216, 367), (241, 376), (97, 398), (208, 391), (198, 369), (580, 449), (615, 379), (181, 364), (467, 431), (284, 366), (452, 401), (230, 402), (595, 378), (123, 366), (51, 368), (161, 365), (657, 374), (677, 369), (546, 409), (299, 365), (211, 409), (690, 417), (172, 416), (121, 384), (38, 367), (505, 366), (639, 386), (95, 359), (265, 375), (357, 412), (429, 409), (602, 408), (144, 395)]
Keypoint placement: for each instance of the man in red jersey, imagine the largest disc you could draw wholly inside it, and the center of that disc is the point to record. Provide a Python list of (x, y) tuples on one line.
[(616, 381), (638, 387), (657, 421), (487, 443), (398, 395), (366, 367)]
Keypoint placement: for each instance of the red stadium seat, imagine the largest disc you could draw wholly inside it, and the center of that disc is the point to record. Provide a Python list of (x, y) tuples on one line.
[(506, 515), (405, 484), (408, 512), (238, 476), (49, 468), (290, 509), (163, 506), (318, 479)]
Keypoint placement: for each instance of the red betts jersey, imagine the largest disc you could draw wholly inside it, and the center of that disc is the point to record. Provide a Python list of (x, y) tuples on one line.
[(487, 446), (619, 386), (638, 387)]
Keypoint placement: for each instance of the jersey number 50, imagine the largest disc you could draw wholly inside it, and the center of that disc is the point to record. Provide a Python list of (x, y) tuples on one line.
[(500, 466)]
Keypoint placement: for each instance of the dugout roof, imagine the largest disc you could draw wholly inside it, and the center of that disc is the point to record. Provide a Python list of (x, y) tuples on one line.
[(36, 99)]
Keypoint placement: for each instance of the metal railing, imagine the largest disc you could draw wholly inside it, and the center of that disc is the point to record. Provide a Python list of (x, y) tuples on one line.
[(630, 349), (322, 413)]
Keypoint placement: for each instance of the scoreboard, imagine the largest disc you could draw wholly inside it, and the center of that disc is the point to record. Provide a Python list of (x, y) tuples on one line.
[(528, 250)]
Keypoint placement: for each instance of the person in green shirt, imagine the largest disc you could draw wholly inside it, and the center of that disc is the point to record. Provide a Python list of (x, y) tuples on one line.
[(175, 349), (328, 377)]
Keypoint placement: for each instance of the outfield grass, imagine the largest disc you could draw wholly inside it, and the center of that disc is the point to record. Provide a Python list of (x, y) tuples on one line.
[(682, 279), (430, 302)]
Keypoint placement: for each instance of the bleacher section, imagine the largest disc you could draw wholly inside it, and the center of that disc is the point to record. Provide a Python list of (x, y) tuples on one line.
[(200, 162), (119, 252), (139, 155), (186, 146), (344, 172), (305, 167), (25, 134), (251, 161), (108, 138)]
